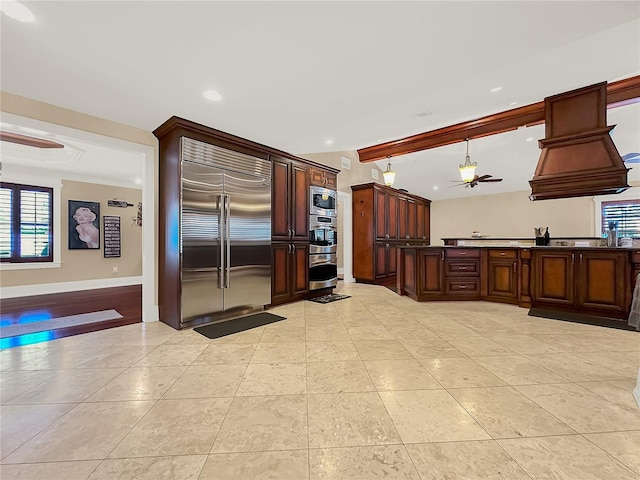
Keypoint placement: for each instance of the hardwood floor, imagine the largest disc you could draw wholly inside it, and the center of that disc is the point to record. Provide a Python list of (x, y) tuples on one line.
[(127, 301)]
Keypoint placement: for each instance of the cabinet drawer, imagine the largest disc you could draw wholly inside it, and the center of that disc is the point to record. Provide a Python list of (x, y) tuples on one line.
[(635, 256), (462, 267), (506, 253), (469, 286), (462, 252)]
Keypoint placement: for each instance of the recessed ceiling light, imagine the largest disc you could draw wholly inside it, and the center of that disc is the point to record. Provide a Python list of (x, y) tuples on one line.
[(17, 11), (513, 103), (530, 139), (137, 181), (496, 89), (212, 95), (329, 142), (435, 187)]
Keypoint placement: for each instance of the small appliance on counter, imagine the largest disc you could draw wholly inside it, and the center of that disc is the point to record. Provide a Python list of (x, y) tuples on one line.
[(612, 235)]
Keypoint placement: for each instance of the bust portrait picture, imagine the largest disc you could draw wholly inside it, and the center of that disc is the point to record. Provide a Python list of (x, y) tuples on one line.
[(84, 225)]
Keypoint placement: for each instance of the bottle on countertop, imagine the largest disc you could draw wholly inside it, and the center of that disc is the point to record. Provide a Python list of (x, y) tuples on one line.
[(547, 240)]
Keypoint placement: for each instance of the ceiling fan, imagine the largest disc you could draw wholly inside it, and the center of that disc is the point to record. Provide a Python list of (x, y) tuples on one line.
[(468, 173), (477, 179)]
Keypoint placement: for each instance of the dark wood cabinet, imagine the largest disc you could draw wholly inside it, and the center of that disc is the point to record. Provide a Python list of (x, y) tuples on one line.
[(290, 276), (382, 220), (290, 199), (323, 178), (501, 275), (590, 282), (462, 271), (432, 272)]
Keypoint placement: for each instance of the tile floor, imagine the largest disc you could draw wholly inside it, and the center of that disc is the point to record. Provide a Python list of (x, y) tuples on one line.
[(374, 386)]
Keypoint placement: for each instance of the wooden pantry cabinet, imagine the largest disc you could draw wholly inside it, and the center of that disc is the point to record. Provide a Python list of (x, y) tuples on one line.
[(385, 218)]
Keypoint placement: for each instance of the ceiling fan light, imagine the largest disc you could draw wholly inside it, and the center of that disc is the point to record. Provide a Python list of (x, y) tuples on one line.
[(389, 175), (468, 172)]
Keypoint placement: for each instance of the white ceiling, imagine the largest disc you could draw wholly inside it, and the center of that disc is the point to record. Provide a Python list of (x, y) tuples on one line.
[(295, 75)]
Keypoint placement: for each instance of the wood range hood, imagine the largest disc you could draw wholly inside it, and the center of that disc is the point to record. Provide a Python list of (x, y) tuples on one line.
[(578, 156)]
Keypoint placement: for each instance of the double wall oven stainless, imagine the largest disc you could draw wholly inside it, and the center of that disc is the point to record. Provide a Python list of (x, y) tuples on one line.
[(323, 239)]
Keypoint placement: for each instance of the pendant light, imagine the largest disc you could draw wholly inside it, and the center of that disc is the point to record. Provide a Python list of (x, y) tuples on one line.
[(468, 169), (389, 175)]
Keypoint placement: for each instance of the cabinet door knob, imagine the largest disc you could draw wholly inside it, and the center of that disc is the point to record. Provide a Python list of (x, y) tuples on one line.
[(573, 258), (580, 258), (387, 245), (442, 255), (515, 267)]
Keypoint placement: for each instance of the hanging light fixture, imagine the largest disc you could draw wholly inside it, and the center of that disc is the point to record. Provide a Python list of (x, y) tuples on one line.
[(468, 169), (389, 175)]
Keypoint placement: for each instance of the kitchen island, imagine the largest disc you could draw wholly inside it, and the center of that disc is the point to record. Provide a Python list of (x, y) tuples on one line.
[(587, 283)]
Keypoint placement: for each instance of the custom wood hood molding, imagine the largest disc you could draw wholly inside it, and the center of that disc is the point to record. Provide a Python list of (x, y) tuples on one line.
[(619, 93), (578, 156)]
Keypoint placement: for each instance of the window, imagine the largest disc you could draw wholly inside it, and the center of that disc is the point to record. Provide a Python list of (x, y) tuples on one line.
[(26, 223), (625, 214)]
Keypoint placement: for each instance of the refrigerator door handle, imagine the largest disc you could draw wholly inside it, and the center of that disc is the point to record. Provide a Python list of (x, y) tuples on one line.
[(227, 218), (221, 236)]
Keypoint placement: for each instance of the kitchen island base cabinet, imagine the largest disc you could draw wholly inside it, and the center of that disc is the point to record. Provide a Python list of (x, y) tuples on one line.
[(500, 282), (588, 282)]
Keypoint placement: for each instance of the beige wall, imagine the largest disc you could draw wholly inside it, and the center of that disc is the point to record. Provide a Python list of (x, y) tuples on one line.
[(511, 215), (90, 264)]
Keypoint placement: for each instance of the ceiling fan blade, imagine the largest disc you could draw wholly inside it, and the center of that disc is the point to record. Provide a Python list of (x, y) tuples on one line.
[(482, 178), (458, 184), (29, 141), (631, 157), (491, 180)]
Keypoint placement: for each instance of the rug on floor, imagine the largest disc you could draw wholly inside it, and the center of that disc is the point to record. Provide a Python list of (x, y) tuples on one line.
[(332, 297), (57, 323), (237, 325)]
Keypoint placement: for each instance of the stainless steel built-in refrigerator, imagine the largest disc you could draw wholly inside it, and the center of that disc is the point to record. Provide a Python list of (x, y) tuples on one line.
[(225, 237)]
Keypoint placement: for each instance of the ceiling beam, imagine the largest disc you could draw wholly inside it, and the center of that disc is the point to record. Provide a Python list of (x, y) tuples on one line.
[(29, 141), (619, 93)]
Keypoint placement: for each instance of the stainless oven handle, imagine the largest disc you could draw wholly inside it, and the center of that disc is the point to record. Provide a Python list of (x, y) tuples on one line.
[(227, 213), (221, 237), (326, 260)]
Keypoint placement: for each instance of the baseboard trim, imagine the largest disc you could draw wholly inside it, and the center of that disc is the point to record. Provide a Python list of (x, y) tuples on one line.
[(63, 287)]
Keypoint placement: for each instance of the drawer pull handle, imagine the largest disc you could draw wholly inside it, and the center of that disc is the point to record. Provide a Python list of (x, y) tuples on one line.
[(502, 254), (463, 253), (463, 286)]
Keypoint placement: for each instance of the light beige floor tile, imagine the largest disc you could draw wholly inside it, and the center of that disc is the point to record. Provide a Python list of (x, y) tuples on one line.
[(624, 446), (478, 345), (381, 350), (264, 423), (572, 342), (17, 382), (68, 386), (430, 416), (175, 427), (565, 458), (582, 410), (274, 379), (176, 467), (619, 392), (172, 355), (430, 347), (460, 373), (412, 330), (505, 413), (523, 344), (284, 464), (349, 419), (338, 377), (624, 364), (49, 471), (369, 333), (138, 383), (290, 334), (332, 351), (330, 332), (282, 352), (226, 354), (187, 337), (390, 462), (21, 422), (482, 459), (115, 356), (574, 368), (400, 375), (88, 432), (396, 318), (203, 381), (518, 370), (361, 320)]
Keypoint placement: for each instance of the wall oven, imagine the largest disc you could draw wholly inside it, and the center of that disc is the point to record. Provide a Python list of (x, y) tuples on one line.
[(323, 201), (323, 244)]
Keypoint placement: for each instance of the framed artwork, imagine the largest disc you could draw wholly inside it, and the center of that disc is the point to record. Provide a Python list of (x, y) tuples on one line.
[(112, 239), (84, 225)]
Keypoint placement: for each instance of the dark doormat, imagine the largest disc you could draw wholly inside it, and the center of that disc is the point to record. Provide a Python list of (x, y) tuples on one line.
[(332, 297), (237, 325)]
